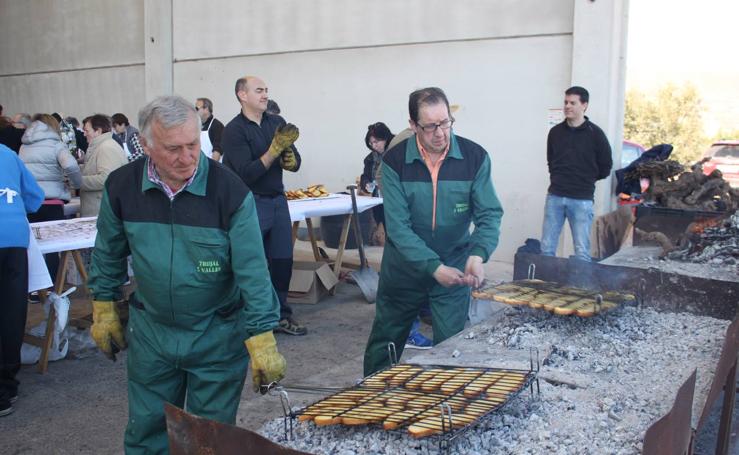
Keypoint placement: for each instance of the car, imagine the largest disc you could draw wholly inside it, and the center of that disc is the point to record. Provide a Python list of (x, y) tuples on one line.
[(629, 152), (724, 157)]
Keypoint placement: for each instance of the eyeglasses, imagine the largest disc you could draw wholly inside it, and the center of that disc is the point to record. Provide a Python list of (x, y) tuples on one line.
[(198, 108), (445, 125)]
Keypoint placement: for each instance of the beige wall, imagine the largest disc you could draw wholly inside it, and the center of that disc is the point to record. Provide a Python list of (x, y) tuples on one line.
[(76, 57), (337, 66)]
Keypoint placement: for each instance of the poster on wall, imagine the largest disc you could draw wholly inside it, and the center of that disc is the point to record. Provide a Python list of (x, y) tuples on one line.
[(555, 117)]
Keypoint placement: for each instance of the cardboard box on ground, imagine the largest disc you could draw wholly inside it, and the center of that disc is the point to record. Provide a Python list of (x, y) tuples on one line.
[(310, 282)]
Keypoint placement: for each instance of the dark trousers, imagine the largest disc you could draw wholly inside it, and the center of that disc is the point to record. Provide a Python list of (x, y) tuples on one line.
[(49, 212), (378, 212), (276, 227), (13, 311)]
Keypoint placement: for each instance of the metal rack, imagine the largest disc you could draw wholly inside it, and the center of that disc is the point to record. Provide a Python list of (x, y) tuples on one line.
[(456, 412)]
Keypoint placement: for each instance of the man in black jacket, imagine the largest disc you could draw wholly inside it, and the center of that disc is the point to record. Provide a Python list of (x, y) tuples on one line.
[(578, 155), (258, 146)]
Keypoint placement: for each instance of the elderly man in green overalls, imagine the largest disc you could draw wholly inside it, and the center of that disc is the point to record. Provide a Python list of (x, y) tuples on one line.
[(203, 286), (435, 184)]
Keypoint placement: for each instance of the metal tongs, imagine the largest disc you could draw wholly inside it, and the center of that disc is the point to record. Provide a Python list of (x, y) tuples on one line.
[(279, 388)]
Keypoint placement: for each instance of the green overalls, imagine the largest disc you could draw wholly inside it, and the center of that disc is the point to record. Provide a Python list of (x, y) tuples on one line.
[(416, 245), (203, 288)]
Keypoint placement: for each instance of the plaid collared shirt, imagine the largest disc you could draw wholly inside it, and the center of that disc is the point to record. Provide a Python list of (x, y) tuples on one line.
[(154, 177)]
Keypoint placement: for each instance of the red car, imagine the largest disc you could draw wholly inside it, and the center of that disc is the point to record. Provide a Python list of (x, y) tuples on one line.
[(724, 157), (630, 151)]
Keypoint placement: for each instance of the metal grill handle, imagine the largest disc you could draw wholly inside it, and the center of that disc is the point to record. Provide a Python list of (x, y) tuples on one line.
[(392, 354)]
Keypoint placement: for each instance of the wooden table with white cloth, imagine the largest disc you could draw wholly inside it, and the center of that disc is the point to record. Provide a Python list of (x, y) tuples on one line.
[(70, 237), (67, 237), (333, 204)]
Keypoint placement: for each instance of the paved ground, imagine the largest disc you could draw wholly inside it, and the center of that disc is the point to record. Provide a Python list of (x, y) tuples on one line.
[(80, 405)]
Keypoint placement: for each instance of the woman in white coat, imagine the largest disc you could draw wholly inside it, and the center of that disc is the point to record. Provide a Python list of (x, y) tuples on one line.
[(103, 156), (55, 170)]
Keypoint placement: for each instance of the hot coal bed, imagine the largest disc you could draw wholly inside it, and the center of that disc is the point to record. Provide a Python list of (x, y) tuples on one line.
[(603, 380)]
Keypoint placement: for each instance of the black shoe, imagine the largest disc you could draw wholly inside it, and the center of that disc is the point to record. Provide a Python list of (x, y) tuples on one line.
[(289, 326), (5, 407)]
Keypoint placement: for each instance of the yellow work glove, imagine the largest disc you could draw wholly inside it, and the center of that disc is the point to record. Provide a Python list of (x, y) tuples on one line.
[(267, 365), (107, 328), (288, 161), (284, 137)]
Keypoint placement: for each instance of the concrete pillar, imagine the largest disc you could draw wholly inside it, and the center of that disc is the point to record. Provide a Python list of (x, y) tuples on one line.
[(158, 50), (599, 65)]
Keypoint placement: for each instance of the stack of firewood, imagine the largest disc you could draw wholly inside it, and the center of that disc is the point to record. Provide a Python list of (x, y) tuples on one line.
[(672, 186)]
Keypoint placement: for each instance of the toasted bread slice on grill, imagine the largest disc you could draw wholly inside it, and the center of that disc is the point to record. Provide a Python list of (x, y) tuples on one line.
[(417, 382), (324, 420), (542, 298), (593, 309), (571, 307), (481, 384), (433, 425), (404, 376), (516, 298), (458, 381)]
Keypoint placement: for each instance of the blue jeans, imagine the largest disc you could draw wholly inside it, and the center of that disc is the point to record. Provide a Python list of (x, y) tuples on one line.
[(579, 212)]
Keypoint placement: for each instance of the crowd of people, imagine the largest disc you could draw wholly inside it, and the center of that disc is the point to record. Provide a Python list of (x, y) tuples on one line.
[(199, 209)]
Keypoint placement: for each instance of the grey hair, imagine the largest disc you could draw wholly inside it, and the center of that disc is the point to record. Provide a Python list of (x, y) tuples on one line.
[(169, 111)]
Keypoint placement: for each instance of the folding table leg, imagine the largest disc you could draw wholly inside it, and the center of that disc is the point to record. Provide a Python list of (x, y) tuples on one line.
[(61, 276), (80, 267), (296, 225), (312, 237), (342, 246), (83, 322)]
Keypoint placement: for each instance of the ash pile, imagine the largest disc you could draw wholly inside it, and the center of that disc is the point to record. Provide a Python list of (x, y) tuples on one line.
[(717, 243), (604, 382), (671, 185)]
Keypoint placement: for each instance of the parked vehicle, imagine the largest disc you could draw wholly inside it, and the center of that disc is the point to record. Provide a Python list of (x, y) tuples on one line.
[(629, 152), (724, 157)]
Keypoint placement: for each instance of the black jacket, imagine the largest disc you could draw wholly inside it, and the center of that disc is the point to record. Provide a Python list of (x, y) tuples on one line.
[(11, 137), (577, 158), (79, 136), (631, 186), (244, 142)]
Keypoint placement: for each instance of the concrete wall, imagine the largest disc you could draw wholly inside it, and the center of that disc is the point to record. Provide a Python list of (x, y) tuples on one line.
[(76, 57), (337, 66)]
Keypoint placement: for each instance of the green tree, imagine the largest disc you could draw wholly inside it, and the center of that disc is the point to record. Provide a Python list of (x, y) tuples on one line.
[(672, 115), (726, 135)]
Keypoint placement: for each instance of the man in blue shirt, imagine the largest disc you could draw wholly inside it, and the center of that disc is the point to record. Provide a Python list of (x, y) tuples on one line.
[(19, 195)]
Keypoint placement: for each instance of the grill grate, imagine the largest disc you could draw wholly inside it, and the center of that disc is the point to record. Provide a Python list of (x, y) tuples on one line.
[(425, 399), (554, 297)]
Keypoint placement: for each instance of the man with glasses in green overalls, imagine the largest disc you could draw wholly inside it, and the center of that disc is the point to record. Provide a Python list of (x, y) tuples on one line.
[(435, 184)]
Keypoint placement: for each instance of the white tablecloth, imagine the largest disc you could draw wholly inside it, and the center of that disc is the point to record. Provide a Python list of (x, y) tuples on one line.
[(72, 207), (38, 274), (78, 233), (335, 204), (65, 235)]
